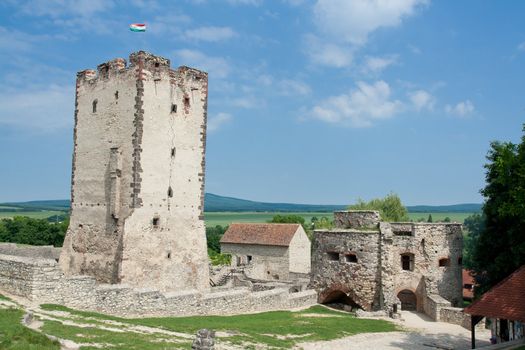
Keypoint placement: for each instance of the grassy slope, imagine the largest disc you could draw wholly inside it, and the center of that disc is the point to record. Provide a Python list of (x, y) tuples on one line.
[(14, 336), (270, 328)]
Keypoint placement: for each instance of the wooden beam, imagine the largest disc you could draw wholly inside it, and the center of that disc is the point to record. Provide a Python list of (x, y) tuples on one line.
[(474, 320)]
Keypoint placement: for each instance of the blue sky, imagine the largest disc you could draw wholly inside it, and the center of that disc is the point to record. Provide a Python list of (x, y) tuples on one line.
[(310, 101)]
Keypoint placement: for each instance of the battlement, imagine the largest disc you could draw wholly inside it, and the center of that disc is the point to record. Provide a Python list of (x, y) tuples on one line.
[(143, 61)]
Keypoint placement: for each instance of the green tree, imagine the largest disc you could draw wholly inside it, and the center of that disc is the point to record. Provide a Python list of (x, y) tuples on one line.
[(500, 248), (429, 218), (287, 219), (446, 219), (390, 207), (473, 226), (213, 237)]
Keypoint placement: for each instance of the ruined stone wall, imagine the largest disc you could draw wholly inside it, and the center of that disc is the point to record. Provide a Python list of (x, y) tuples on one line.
[(42, 281), (138, 176), (375, 280), (429, 243), (356, 219), (333, 270), (268, 262), (45, 252), (299, 252)]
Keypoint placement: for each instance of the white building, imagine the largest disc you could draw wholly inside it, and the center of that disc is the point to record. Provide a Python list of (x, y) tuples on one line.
[(268, 251)]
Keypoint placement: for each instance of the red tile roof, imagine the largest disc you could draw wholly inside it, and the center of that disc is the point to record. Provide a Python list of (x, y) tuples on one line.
[(262, 234), (506, 300), (468, 279)]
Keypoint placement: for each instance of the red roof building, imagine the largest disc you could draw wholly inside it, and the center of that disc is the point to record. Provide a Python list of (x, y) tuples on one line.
[(468, 285), (268, 251), (505, 305)]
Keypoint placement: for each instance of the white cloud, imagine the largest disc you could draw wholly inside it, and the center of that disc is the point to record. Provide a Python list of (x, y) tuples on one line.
[(360, 107), (210, 33), (217, 67), (462, 109), (328, 54), (521, 46), (43, 109), (289, 87), (421, 99), (376, 64), (218, 121), (353, 20)]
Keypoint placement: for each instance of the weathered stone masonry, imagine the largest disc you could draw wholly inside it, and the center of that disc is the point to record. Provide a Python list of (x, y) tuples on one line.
[(138, 176), (42, 280), (388, 266)]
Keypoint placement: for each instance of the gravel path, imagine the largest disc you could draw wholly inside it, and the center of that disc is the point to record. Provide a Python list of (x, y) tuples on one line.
[(422, 334)]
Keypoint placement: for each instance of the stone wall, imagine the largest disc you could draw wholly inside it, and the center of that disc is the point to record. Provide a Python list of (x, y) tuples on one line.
[(356, 219), (299, 252), (455, 315), (334, 269), (267, 262), (44, 252), (42, 281)]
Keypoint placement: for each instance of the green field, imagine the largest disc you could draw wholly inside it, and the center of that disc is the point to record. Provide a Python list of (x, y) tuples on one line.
[(226, 218), (454, 217), (37, 214)]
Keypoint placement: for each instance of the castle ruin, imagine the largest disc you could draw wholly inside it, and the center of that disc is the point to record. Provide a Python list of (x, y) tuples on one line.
[(137, 194), (376, 265)]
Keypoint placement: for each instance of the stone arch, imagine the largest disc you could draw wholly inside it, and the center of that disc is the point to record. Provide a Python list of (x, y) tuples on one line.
[(341, 295), (409, 299)]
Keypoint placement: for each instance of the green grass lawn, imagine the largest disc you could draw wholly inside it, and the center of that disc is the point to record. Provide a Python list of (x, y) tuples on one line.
[(14, 336), (276, 329)]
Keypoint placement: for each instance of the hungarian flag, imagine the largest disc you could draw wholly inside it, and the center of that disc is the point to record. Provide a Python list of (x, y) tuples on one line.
[(137, 27)]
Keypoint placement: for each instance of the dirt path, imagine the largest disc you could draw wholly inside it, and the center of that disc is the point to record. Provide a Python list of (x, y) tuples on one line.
[(423, 334)]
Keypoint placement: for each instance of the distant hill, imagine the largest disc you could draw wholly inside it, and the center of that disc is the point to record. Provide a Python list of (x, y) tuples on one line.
[(216, 203)]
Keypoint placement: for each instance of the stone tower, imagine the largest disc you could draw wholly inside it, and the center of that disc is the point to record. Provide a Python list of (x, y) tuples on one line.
[(137, 195)]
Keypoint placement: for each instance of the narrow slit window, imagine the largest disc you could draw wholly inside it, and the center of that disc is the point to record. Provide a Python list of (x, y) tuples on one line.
[(155, 222), (186, 102), (173, 108), (94, 104), (116, 95), (169, 255), (460, 260), (170, 192), (173, 152)]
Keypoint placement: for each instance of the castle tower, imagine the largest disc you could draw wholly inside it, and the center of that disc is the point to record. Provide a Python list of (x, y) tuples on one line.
[(137, 195)]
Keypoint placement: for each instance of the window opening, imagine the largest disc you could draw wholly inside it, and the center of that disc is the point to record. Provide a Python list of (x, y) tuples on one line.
[(116, 95), (173, 152), (460, 260), (155, 222), (407, 262), (249, 258), (351, 258), (95, 106), (173, 108), (333, 256), (444, 262), (170, 192)]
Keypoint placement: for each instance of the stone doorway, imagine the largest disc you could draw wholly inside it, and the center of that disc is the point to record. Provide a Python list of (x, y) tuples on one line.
[(408, 300)]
